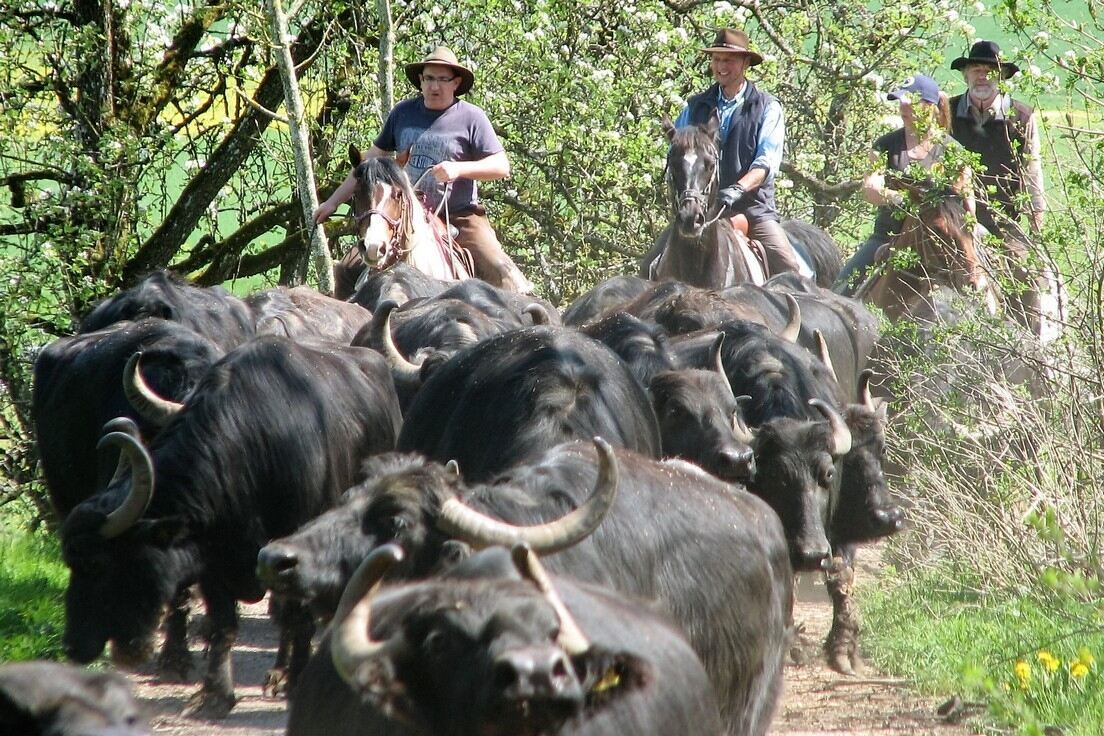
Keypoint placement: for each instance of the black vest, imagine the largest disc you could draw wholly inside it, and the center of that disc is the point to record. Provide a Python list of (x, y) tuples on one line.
[(738, 148), (1001, 145)]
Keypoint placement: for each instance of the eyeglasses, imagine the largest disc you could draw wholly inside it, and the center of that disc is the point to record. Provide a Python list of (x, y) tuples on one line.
[(430, 79)]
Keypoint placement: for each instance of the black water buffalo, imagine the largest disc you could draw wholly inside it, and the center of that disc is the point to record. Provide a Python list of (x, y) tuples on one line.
[(212, 311), (521, 392), (302, 313), (496, 647), (642, 345), (400, 283), (711, 555), (268, 439), (53, 699), (78, 387), (606, 297)]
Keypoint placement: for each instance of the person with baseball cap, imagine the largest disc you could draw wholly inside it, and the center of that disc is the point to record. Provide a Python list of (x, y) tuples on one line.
[(751, 135), (446, 145), (919, 144)]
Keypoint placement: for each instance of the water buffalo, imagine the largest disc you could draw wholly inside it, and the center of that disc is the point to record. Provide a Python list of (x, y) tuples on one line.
[(53, 699), (497, 647), (268, 439)]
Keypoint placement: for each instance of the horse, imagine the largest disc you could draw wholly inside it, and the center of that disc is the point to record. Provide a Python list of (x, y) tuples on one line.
[(701, 247), (935, 248), (392, 225)]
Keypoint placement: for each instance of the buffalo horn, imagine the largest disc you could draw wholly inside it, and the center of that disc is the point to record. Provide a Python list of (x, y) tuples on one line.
[(121, 424), (792, 329), (352, 645), (864, 389), (715, 357), (153, 408), (381, 329), (739, 427), (453, 468), (825, 356), (141, 483), (480, 530), (572, 639), (538, 314), (841, 435)]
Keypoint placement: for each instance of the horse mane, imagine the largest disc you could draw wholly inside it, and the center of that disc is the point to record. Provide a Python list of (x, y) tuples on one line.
[(383, 170)]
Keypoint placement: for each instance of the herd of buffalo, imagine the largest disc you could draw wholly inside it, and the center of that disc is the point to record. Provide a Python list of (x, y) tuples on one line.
[(513, 521)]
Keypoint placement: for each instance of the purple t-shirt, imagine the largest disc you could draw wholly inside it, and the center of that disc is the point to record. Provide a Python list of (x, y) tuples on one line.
[(460, 132)]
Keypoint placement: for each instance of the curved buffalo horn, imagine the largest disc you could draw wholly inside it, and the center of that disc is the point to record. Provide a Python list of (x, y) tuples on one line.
[(864, 389), (571, 639), (453, 468), (825, 356), (381, 334), (841, 435), (153, 408), (352, 645), (792, 329), (739, 427), (141, 483), (127, 425), (538, 314), (715, 358), (480, 530)]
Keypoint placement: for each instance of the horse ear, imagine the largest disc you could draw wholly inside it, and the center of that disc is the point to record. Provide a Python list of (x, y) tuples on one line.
[(713, 126), (354, 155), (668, 127)]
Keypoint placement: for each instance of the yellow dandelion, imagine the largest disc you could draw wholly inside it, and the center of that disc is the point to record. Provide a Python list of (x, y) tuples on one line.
[(1023, 673), (1078, 669), (1048, 660)]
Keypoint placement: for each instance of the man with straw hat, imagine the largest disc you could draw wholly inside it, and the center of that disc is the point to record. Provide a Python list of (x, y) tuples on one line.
[(446, 144), (1005, 133), (750, 139)]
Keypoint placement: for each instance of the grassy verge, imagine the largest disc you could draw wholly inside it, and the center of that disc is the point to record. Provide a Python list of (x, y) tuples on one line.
[(32, 587), (1032, 662)]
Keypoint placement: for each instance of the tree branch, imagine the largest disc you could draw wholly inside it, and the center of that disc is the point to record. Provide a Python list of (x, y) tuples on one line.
[(822, 190)]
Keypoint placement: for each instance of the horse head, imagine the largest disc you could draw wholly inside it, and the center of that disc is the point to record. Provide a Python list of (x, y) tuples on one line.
[(382, 206), (692, 165)]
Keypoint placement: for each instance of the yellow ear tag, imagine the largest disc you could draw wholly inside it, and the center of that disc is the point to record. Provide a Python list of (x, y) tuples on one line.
[(610, 680)]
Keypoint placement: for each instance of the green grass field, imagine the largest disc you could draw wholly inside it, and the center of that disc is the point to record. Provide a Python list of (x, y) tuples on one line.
[(32, 587)]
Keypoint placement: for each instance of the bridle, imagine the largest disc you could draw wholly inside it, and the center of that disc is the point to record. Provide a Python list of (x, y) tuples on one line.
[(402, 229), (697, 196)]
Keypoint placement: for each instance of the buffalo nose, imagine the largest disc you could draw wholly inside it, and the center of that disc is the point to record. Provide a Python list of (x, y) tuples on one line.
[(812, 557), (275, 561), (534, 673), (891, 519)]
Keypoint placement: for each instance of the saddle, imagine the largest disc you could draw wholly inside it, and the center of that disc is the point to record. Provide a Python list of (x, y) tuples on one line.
[(754, 249)]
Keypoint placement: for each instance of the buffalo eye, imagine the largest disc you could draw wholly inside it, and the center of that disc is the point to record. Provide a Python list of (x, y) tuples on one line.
[(393, 526), (827, 474)]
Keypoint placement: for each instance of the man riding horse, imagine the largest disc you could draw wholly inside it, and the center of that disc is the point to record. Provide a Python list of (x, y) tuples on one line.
[(752, 131), (446, 145)]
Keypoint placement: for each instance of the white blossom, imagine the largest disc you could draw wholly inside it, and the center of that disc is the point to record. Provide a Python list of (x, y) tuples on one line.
[(979, 7)]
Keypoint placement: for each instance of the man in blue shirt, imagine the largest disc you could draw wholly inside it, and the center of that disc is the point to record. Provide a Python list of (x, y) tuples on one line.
[(751, 134)]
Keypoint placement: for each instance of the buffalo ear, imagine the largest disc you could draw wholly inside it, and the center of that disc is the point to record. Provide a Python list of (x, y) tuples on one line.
[(607, 676), (162, 533), (378, 683)]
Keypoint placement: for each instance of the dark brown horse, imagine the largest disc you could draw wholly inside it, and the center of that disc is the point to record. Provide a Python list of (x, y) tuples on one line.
[(700, 247), (935, 248)]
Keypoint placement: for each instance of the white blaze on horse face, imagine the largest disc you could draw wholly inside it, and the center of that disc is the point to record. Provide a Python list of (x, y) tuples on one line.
[(377, 236)]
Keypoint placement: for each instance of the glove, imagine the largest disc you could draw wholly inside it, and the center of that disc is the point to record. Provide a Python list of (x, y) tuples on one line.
[(729, 196)]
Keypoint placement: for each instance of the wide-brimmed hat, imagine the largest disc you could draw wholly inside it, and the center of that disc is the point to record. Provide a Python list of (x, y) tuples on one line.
[(925, 88), (734, 42), (441, 55), (987, 52)]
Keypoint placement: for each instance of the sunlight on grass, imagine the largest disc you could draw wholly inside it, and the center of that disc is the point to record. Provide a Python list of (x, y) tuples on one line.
[(1035, 664), (32, 586)]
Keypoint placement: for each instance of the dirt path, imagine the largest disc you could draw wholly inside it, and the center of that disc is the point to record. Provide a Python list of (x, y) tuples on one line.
[(816, 701)]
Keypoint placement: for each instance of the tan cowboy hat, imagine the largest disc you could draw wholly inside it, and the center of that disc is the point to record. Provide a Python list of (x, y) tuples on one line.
[(735, 42), (441, 55)]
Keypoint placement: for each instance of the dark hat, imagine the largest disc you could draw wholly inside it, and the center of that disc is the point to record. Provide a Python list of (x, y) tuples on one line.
[(987, 52), (923, 87), (441, 55), (735, 42)]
